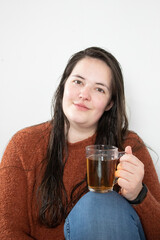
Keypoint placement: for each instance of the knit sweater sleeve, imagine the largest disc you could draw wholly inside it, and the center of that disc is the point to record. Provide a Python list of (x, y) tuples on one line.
[(14, 221), (149, 209)]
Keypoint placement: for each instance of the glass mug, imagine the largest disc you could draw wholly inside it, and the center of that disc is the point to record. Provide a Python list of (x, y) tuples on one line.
[(102, 162)]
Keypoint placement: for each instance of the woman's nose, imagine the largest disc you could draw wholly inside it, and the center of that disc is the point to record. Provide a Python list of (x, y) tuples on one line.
[(85, 93)]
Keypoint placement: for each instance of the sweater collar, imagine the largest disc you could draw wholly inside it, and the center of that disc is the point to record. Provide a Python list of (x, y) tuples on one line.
[(82, 143)]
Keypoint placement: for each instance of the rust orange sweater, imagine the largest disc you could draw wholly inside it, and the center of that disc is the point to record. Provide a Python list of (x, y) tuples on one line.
[(20, 171)]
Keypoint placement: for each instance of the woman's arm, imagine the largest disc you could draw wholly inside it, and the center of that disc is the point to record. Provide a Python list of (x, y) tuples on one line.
[(14, 221), (149, 209)]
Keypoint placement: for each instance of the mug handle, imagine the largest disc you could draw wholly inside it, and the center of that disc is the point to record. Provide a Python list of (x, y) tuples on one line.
[(116, 187)]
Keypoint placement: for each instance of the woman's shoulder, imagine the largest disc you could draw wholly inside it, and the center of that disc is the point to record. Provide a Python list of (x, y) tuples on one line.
[(133, 139), (32, 137), (28, 144), (35, 130), (132, 134)]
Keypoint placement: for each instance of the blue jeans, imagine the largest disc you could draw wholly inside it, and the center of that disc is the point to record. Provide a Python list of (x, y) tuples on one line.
[(102, 216)]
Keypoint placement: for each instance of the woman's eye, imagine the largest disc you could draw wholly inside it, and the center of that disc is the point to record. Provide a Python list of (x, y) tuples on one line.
[(100, 90), (77, 82)]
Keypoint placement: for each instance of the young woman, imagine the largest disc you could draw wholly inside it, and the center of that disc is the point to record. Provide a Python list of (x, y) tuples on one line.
[(43, 186)]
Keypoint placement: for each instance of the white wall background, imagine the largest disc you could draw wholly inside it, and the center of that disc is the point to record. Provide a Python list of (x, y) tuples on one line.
[(37, 37)]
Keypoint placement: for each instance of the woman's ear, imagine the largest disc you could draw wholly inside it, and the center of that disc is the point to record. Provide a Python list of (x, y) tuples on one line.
[(109, 106)]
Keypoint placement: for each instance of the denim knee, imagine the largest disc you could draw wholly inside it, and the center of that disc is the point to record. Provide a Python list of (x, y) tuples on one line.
[(103, 216)]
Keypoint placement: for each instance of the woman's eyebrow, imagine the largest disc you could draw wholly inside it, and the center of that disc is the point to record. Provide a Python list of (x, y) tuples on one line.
[(79, 76)]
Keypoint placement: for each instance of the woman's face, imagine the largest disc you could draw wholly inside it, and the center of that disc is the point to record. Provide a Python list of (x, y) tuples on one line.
[(87, 93)]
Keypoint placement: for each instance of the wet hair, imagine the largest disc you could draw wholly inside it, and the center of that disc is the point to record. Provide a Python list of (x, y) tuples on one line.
[(111, 130)]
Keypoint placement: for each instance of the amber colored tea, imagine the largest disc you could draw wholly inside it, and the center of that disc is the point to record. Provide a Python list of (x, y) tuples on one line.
[(100, 173)]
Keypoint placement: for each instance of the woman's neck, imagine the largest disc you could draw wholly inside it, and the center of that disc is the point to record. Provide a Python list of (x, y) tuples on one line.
[(76, 134)]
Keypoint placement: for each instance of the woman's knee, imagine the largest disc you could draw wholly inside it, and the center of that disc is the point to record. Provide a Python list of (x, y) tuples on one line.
[(92, 204), (106, 215)]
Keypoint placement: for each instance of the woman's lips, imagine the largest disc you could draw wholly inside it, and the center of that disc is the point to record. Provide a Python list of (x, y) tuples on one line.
[(81, 107)]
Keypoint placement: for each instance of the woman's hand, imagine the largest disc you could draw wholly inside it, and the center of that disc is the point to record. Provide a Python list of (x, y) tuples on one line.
[(130, 173)]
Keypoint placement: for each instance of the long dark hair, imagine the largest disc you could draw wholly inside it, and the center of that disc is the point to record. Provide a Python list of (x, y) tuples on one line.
[(112, 128)]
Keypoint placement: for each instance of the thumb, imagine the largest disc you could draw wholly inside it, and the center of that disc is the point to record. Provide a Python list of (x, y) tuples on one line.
[(128, 150)]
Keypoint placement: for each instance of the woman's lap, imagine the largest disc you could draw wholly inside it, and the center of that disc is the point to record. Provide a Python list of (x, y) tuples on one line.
[(103, 216)]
